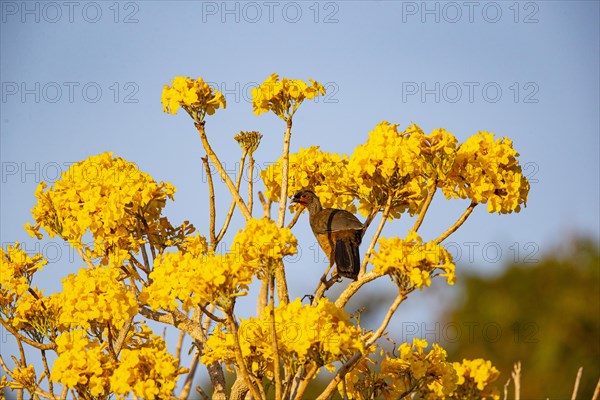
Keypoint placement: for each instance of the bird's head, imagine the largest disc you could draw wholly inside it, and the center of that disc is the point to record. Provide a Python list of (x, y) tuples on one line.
[(304, 197)]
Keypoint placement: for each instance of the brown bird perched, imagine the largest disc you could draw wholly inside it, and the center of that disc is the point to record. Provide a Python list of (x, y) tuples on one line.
[(338, 232)]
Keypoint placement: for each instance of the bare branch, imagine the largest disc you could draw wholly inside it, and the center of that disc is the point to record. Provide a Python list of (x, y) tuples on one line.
[(457, 224), (425, 207), (238, 184), (211, 199), (285, 159), (215, 160), (384, 216), (577, 380)]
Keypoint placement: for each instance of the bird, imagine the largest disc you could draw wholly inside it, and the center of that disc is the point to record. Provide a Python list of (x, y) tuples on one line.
[(338, 232)]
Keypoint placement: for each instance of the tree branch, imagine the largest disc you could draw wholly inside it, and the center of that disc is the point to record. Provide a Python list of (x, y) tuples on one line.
[(211, 199), (238, 184), (285, 159), (384, 216), (215, 160), (425, 207), (457, 224)]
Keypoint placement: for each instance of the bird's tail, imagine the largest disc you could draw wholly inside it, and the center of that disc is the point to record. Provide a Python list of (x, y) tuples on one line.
[(347, 258)]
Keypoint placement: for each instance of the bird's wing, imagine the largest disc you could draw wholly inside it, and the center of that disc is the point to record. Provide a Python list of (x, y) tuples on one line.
[(333, 220)]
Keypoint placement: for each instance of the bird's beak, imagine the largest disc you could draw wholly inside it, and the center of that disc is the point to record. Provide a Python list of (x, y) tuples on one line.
[(296, 199)]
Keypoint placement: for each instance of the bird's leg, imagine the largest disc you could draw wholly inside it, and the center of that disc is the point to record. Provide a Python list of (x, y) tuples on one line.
[(324, 277)]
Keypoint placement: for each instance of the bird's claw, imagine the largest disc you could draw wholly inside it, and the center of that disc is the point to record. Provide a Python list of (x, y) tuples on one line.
[(310, 298)]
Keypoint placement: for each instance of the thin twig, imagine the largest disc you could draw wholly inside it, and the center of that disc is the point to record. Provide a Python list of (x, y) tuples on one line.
[(299, 392), (294, 220), (266, 204), (457, 224), (179, 345), (251, 184), (47, 372), (352, 288), (577, 380), (506, 389), (84, 257), (24, 339), (328, 392), (241, 367), (263, 296), (238, 184), (596, 391), (384, 216), (285, 159), (516, 376), (211, 315), (276, 359), (425, 207), (217, 163), (189, 380), (211, 199), (386, 320)]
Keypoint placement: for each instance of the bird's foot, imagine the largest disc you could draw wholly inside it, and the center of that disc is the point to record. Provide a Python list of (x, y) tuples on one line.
[(309, 296)]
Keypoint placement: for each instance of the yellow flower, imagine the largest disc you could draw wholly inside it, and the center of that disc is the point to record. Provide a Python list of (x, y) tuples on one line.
[(194, 95), (261, 245), (390, 163), (284, 96), (36, 315), (414, 370), (190, 276), (82, 362), (311, 168), (411, 263), (486, 170), (147, 369), (107, 197), (475, 378), (24, 378), (323, 332), (17, 269), (96, 297)]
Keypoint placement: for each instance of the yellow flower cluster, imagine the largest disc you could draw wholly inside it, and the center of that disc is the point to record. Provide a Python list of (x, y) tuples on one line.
[(24, 378), (17, 269), (411, 263), (322, 333), (248, 141), (486, 170), (107, 197), (82, 363), (389, 163), (311, 168), (194, 95), (413, 371), (284, 96), (261, 245), (96, 298), (147, 370), (475, 378), (194, 277), (36, 315)]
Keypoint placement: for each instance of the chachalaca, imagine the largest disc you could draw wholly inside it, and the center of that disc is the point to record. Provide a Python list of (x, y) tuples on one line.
[(338, 232)]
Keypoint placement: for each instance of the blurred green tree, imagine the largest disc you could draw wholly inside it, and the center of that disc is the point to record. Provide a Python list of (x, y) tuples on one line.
[(546, 314)]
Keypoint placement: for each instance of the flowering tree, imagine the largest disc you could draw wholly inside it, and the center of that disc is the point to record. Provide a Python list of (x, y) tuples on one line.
[(138, 266)]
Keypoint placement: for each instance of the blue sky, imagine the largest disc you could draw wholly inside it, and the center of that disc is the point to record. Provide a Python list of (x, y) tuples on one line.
[(84, 78)]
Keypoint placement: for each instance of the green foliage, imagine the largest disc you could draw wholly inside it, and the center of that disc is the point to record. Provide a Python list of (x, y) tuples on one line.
[(547, 315)]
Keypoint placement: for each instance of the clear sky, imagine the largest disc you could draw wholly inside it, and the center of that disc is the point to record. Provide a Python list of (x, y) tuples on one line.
[(80, 78)]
